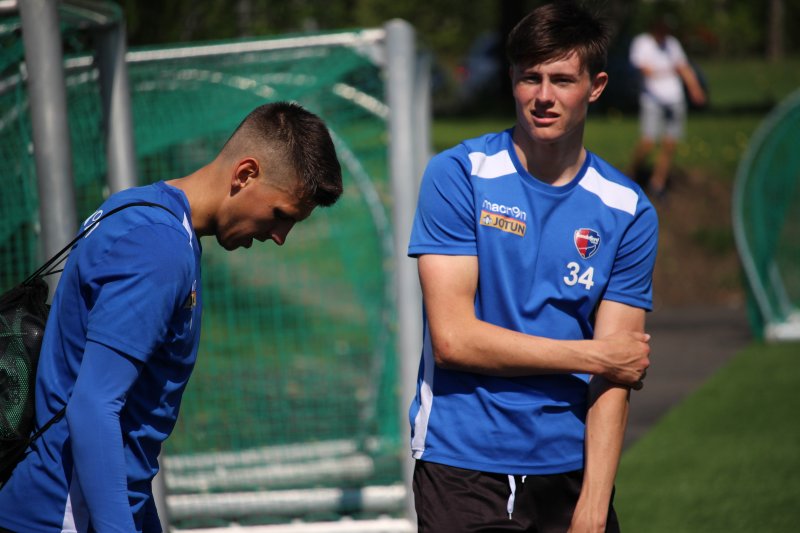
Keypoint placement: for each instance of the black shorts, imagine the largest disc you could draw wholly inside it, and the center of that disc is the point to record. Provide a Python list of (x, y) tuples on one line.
[(454, 500)]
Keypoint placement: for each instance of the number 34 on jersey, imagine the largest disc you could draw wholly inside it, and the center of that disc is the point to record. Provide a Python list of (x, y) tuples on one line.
[(576, 276), (587, 242)]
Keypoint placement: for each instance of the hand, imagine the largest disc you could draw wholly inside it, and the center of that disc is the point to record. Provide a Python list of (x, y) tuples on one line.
[(584, 522), (575, 527), (697, 96), (624, 357)]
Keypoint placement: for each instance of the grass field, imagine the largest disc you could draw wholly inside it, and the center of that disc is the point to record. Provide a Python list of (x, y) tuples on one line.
[(727, 459), (713, 144)]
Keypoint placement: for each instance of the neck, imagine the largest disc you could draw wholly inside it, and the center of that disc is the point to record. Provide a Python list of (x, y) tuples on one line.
[(199, 188), (554, 163)]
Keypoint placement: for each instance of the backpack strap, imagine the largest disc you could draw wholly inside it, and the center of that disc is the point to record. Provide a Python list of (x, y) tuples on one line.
[(60, 256)]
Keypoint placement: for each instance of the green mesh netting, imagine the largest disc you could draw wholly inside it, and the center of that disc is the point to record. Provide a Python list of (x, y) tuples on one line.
[(18, 197), (296, 365), (766, 216)]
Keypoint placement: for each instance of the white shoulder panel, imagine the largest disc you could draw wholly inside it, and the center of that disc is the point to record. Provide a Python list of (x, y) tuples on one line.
[(610, 193), (491, 166)]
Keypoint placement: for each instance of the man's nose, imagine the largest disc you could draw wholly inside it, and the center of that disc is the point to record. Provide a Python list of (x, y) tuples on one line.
[(545, 93), (281, 232)]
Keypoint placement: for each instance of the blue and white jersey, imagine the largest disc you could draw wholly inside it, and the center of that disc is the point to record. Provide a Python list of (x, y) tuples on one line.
[(547, 257), (132, 284)]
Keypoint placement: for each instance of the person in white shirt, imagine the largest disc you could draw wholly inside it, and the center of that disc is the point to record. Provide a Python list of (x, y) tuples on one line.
[(665, 69)]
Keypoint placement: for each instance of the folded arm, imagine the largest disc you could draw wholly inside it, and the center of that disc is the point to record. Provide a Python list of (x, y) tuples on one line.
[(462, 341)]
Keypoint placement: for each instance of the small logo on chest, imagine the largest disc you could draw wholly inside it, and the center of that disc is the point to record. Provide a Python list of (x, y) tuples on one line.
[(507, 224), (587, 241)]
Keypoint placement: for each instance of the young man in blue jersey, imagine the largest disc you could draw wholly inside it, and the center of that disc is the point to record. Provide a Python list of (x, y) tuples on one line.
[(535, 259), (123, 332)]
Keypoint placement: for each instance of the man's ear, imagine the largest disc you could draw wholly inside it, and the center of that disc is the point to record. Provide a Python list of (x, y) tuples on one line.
[(244, 172), (599, 83)]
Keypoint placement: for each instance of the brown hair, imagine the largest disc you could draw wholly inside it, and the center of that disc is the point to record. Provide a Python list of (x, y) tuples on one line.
[(555, 30), (298, 138)]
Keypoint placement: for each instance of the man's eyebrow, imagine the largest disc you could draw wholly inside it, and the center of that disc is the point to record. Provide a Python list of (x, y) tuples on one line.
[(300, 214)]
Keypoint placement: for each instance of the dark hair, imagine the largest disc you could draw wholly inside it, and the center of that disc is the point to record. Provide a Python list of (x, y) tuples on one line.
[(553, 31), (303, 141)]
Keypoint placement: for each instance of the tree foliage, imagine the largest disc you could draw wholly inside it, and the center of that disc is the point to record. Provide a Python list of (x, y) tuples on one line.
[(727, 28)]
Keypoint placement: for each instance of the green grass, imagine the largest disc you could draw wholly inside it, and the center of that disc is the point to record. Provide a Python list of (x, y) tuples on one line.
[(714, 143), (727, 459), (748, 83)]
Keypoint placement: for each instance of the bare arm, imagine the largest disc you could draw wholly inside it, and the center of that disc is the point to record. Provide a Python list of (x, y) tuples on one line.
[(461, 341), (605, 426), (696, 92)]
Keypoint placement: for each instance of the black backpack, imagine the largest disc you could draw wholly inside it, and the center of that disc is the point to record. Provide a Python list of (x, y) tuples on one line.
[(23, 316)]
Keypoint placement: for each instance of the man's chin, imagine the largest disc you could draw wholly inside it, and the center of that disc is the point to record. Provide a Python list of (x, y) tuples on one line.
[(229, 246)]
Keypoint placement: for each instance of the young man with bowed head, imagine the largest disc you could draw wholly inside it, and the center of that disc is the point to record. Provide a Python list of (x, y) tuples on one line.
[(535, 259), (123, 332)]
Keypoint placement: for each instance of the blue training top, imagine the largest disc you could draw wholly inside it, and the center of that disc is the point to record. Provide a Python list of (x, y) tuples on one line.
[(127, 309), (547, 257)]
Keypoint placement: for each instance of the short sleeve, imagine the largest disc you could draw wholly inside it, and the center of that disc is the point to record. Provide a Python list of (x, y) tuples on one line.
[(631, 280), (140, 283), (637, 52), (443, 223), (676, 52)]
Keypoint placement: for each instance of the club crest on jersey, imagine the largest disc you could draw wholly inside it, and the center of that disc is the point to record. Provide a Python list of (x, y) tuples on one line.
[(587, 241)]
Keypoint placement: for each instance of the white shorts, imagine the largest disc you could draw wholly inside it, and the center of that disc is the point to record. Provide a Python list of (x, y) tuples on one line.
[(657, 120)]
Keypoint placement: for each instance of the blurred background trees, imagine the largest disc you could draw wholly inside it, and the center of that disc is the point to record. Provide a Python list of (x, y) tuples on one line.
[(725, 28), (466, 37)]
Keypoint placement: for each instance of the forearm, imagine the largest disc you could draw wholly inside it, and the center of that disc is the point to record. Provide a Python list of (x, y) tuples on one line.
[(696, 92), (100, 471), (93, 416), (605, 431), (473, 345), (479, 346), (606, 419)]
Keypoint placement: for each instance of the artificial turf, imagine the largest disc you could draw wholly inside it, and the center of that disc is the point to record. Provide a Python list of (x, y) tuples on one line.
[(727, 459)]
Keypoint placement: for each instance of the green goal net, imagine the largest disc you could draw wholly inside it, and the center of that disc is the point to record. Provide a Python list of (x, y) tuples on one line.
[(766, 216), (293, 410), (18, 200)]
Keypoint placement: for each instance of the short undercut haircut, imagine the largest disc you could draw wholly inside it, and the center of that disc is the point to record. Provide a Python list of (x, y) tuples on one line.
[(298, 138), (553, 31)]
